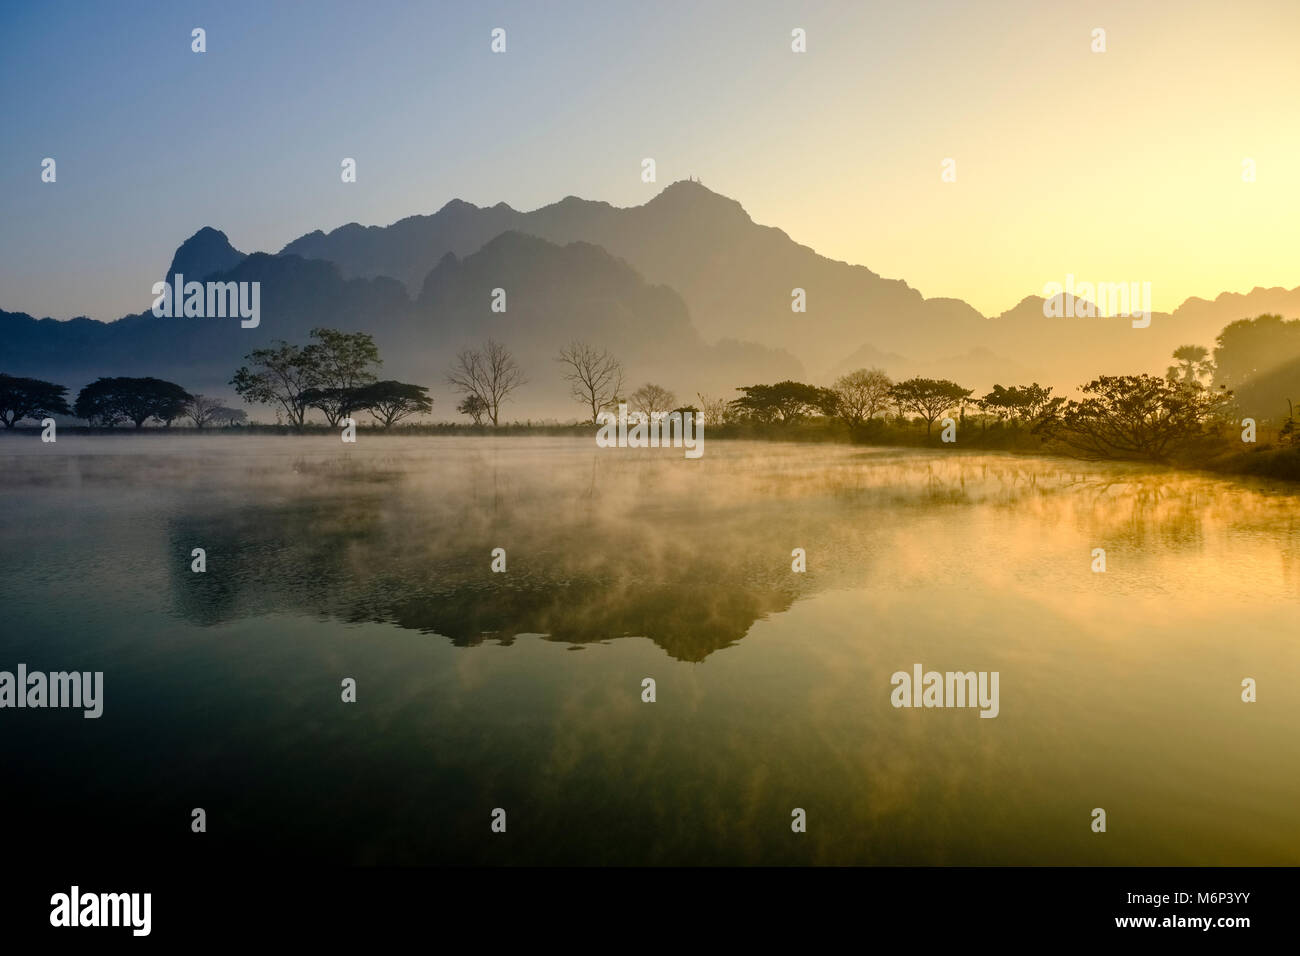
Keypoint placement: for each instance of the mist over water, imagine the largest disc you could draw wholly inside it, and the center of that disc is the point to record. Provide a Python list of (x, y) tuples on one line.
[(522, 690)]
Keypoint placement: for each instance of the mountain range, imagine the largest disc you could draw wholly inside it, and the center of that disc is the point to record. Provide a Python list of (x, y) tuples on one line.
[(686, 289)]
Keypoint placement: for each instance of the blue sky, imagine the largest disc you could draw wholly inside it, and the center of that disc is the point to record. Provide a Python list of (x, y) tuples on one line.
[(840, 147)]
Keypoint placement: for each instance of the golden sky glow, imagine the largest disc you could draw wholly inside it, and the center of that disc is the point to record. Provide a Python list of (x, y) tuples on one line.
[(1120, 166)]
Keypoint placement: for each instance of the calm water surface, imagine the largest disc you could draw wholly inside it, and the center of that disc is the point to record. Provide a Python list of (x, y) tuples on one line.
[(523, 690)]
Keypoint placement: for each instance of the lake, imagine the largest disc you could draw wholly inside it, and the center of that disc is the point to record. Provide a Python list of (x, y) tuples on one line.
[(522, 690)]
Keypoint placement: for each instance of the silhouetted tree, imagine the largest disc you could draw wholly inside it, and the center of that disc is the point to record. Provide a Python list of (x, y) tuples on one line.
[(862, 394), (343, 363), (713, 411), (474, 407), (228, 417), (113, 400), (279, 376), (653, 399), (335, 403), (1193, 364), (595, 377), (491, 374), (30, 398), (1259, 359), (201, 409), (1289, 433), (389, 402), (784, 402), (1251, 347), (1136, 416), (928, 397), (1026, 403)]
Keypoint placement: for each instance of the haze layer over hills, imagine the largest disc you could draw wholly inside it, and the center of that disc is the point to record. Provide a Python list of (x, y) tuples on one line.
[(686, 290)]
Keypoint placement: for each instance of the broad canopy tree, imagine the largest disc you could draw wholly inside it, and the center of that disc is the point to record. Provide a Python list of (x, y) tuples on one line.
[(1249, 348), (389, 402), (861, 395), (1136, 416), (929, 397), (342, 362), (1018, 403), (335, 403), (1259, 359), (110, 401), (320, 375), (279, 375), (333, 374), (30, 398), (784, 402)]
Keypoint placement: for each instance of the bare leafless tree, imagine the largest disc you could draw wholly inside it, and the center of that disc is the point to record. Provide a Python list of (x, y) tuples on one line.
[(713, 410), (653, 399), (595, 377), (491, 375), (862, 394), (201, 410), (229, 417)]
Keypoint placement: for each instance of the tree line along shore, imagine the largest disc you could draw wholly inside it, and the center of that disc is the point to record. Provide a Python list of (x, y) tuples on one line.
[(1221, 411)]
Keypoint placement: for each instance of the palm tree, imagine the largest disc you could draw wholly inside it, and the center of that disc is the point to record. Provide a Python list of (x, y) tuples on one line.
[(1193, 365)]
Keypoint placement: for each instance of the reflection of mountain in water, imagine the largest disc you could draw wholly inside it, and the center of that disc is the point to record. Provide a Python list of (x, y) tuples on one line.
[(364, 555), (607, 546), (288, 562)]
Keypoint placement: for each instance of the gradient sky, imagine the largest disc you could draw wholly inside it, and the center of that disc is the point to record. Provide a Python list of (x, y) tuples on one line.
[(1122, 166)]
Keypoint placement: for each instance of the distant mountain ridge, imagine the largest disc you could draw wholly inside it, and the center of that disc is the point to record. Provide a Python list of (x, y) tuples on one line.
[(737, 277), (686, 289), (206, 252), (556, 294)]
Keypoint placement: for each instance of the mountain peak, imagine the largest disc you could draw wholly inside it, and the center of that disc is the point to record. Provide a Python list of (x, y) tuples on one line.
[(690, 188), (206, 252), (457, 207), (693, 195)]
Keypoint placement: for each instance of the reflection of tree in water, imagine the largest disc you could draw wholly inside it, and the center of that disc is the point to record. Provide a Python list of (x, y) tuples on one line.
[(689, 621), (1165, 514), (256, 557), (1290, 553), (355, 560), (606, 547), (1180, 512)]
